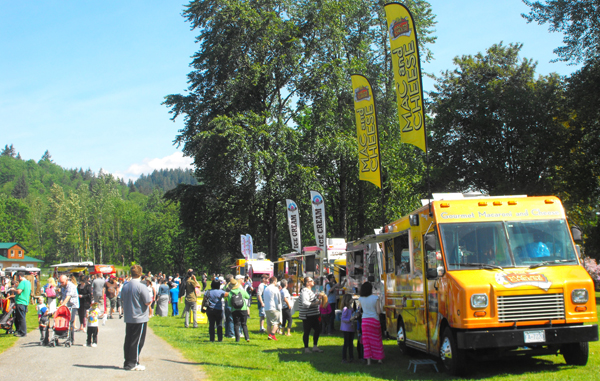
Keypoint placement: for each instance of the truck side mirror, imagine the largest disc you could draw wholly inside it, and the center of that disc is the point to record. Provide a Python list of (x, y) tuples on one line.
[(432, 274), (430, 242), (577, 233)]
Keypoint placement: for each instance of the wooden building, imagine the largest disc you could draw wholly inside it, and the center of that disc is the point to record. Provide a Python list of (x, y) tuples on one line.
[(12, 254)]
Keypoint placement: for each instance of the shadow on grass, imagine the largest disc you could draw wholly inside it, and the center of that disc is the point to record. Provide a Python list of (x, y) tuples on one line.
[(396, 365)]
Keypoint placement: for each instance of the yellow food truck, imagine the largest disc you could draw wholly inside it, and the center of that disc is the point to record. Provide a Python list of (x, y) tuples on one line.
[(487, 276)]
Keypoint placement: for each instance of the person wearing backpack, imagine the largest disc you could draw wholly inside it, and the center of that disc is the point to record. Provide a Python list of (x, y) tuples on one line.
[(239, 308)]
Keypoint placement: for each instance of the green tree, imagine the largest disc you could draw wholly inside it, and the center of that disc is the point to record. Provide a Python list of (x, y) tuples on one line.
[(103, 192), (14, 220), (46, 157), (577, 20), (21, 189), (8, 151), (496, 126), (269, 114)]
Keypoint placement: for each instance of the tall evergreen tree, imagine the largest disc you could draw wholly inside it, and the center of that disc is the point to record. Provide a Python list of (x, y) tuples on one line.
[(21, 189), (8, 151)]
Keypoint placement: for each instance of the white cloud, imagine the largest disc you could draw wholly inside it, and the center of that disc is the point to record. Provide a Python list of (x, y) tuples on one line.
[(176, 160)]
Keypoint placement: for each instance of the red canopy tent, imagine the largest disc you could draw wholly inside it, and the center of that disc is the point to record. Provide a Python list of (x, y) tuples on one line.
[(102, 269)]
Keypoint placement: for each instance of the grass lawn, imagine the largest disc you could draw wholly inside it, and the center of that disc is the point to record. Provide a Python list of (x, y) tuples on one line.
[(7, 341), (263, 359)]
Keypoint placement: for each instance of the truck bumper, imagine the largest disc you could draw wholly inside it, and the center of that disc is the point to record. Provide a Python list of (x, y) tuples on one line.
[(516, 337)]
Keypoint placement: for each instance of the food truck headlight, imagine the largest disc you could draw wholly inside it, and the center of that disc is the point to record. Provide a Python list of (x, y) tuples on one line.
[(479, 301), (579, 296)]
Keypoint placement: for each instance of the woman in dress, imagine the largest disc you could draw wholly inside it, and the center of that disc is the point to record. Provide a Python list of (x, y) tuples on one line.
[(162, 304), (310, 315), (371, 329)]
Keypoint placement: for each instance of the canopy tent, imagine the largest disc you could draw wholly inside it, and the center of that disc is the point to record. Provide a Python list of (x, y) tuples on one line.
[(21, 268), (72, 267)]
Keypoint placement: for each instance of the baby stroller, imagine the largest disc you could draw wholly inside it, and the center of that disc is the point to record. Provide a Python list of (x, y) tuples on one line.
[(7, 316), (62, 321)]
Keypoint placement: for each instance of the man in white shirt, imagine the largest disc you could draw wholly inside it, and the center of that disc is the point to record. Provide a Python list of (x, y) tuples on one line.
[(272, 301), (70, 298), (261, 305)]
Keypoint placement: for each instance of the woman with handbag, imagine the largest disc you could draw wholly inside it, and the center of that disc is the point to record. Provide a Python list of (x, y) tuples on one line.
[(310, 315), (50, 292)]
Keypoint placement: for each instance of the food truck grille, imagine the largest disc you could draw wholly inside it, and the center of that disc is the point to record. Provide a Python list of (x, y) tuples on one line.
[(531, 307)]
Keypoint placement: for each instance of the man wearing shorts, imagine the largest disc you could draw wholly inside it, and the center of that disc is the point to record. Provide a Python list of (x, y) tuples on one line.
[(272, 302), (111, 289), (261, 305)]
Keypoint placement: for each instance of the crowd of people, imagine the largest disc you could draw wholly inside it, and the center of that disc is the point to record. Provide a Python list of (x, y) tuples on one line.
[(226, 301)]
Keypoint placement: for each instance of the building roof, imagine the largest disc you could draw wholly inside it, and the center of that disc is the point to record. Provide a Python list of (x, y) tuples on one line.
[(25, 258), (8, 245)]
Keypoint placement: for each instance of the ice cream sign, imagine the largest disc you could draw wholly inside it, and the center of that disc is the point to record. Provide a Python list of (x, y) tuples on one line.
[(512, 280)]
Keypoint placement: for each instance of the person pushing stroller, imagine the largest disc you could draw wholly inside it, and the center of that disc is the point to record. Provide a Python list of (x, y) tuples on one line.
[(70, 299)]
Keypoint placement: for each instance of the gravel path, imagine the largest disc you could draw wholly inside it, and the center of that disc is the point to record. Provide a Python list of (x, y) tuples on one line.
[(28, 360)]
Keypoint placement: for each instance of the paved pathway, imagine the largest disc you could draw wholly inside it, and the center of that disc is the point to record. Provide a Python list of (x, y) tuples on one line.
[(30, 361)]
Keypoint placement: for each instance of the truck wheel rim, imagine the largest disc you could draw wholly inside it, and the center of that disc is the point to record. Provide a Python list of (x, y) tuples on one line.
[(446, 350)]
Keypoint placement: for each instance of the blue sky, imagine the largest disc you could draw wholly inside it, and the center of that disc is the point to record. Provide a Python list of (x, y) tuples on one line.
[(85, 80)]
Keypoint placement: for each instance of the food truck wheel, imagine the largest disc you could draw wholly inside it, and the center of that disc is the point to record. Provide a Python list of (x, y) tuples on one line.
[(575, 353), (401, 339), (452, 357)]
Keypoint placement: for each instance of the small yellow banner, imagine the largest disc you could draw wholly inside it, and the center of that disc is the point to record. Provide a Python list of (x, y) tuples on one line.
[(366, 129), (407, 74)]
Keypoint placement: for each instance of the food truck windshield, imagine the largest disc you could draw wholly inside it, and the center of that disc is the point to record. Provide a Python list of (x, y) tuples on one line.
[(507, 244)]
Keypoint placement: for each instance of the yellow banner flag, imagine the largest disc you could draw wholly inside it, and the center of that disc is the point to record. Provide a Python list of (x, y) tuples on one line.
[(407, 74), (366, 129)]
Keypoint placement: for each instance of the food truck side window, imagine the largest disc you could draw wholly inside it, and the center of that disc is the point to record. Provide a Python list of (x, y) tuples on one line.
[(389, 256), (401, 255)]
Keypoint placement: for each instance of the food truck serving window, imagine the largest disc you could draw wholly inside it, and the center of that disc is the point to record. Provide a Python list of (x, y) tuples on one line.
[(397, 255), (506, 244)]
